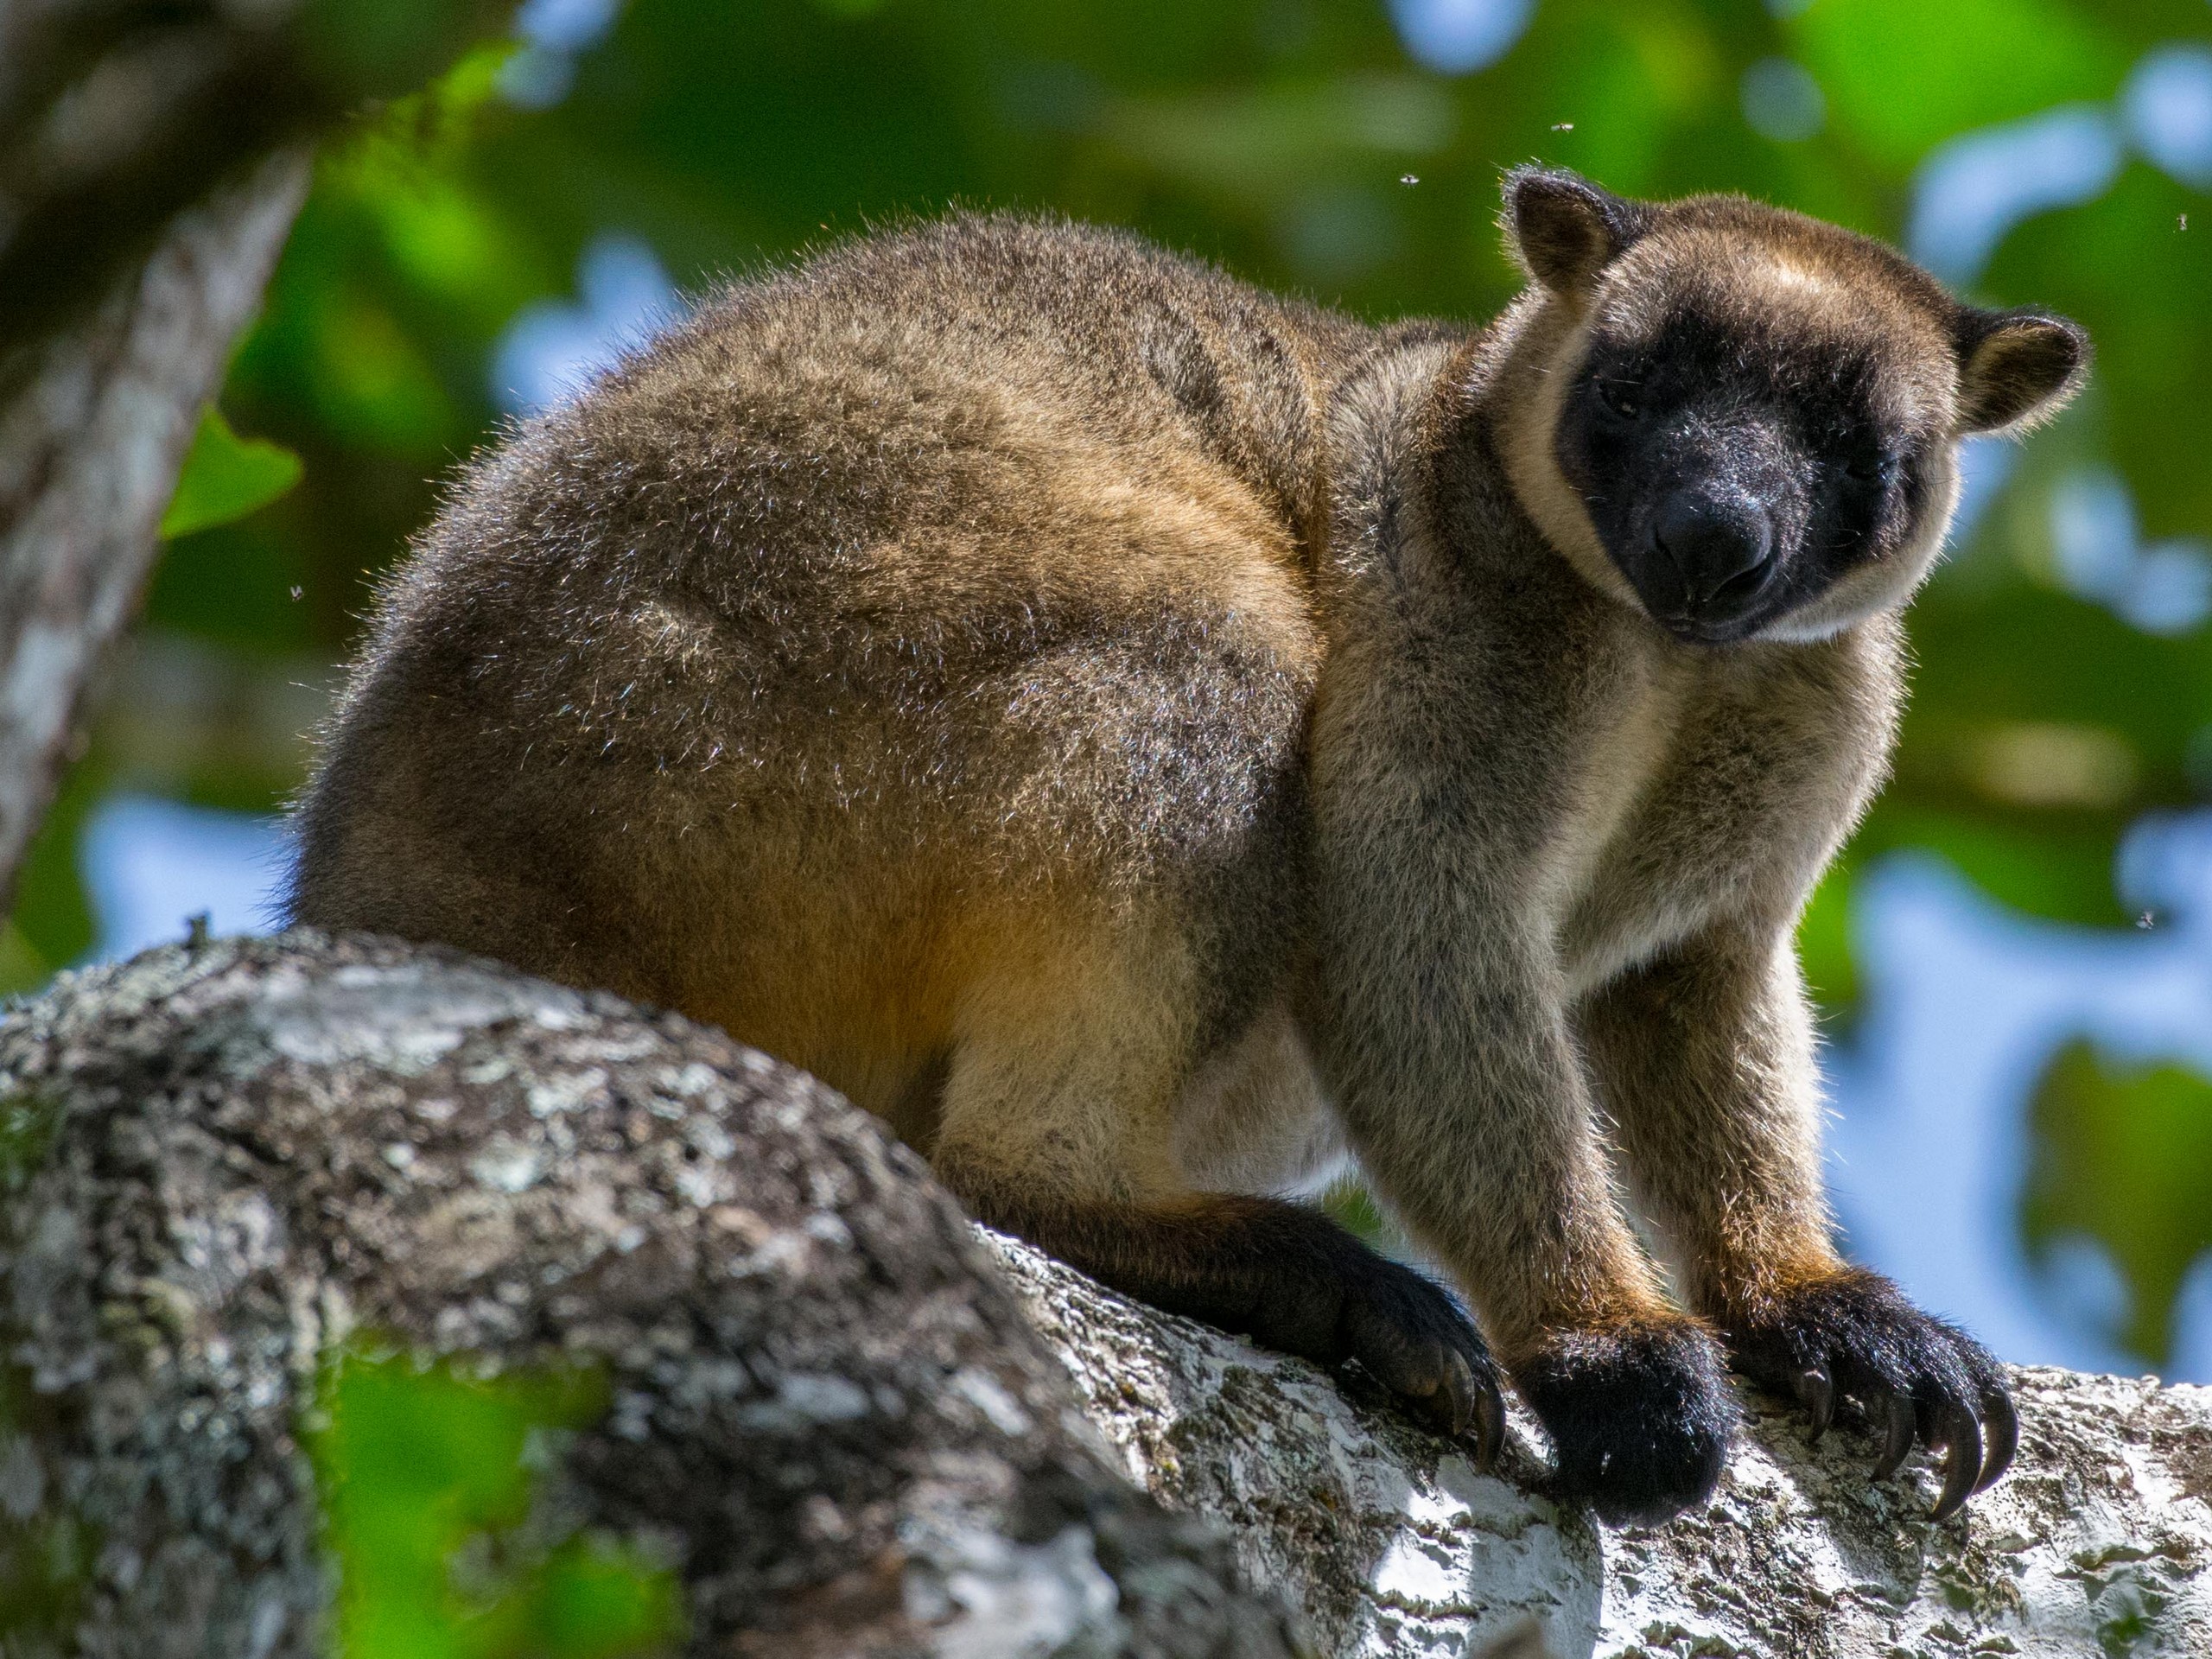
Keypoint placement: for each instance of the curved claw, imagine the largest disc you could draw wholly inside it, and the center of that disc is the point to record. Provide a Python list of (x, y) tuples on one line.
[(2001, 1437), (1490, 1423), (1451, 1406), (1815, 1391), (1962, 1461), (1897, 1445), (1918, 1379)]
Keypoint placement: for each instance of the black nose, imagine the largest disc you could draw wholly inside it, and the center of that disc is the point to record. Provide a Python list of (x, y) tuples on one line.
[(1720, 548)]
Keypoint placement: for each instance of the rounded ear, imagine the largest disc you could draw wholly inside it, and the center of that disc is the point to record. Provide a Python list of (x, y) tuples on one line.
[(1564, 229), (2018, 368)]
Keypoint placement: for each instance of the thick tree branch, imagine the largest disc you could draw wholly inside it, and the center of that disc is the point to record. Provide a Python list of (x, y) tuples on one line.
[(115, 115), (856, 1428), (828, 1409), (2098, 1543)]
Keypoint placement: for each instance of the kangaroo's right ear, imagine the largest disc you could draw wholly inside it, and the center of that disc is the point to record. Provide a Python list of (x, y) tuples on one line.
[(2017, 368), (1565, 229)]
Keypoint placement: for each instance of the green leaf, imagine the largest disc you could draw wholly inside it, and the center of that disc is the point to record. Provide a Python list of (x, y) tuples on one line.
[(427, 1475), (2123, 1155), (226, 477)]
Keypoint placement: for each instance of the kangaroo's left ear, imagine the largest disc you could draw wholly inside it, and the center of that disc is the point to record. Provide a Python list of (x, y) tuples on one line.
[(1565, 229), (2017, 368)]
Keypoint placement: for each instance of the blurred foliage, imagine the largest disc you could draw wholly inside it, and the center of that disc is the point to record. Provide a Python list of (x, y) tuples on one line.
[(428, 1477), (1299, 144), (1272, 135), (1352, 1207), (2146, 1131), (1900, 75)]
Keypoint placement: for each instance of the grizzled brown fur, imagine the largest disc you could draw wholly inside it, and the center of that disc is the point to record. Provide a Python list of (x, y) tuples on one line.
[(1146, 738)]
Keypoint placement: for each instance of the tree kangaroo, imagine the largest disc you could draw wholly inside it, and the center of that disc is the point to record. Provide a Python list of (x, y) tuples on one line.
[(1149, 739)]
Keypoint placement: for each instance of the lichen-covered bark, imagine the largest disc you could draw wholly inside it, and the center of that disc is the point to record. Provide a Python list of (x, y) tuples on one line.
[(827, 1409), (854, 1427), (2098, 1544)]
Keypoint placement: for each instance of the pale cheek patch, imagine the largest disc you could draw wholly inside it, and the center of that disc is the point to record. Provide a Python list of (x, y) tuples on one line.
[(1533, 466), (1883, 584)]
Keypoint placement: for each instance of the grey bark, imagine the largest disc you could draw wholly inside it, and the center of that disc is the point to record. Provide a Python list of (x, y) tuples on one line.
[(827, 1411), (854, 1425), (2097, 1546)]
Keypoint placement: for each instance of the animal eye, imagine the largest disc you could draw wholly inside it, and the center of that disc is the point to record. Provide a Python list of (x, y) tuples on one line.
[(1620, 397), (1872, 466)]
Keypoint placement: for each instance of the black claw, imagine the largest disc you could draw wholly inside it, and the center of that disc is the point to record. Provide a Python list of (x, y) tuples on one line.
[(1962, 1462), (1898, 1445), (1453, 1403), (1920, 1380), (1816, 1393), (1490, 1424), (2000, 1436), (1410, 1335)]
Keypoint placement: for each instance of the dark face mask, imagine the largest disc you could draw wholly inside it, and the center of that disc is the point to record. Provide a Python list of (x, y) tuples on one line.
[(1760, 436), (1728, 490)]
